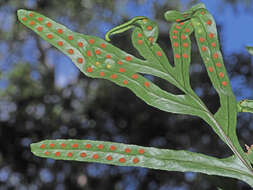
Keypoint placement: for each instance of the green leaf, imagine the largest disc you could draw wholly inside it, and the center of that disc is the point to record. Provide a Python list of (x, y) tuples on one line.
[(181, 44), (131, 155), (250, 49), (99, 59), (245, 106), (226, 117)]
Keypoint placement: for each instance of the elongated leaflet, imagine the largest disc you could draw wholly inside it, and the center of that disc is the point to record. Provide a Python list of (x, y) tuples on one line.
[(207, 40), (181, 43), (132, 155)]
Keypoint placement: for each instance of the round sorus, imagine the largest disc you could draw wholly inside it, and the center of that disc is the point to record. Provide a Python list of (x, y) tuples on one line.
[(202, 39), (159, 53), (102, 45), (70, 154), (70, 51), (185, 55), (31, 23), (95, 156), (187, 30), (91, 41), (215, 55), (134, 76), (221, 75), (79, 60), (60, 43), (135, 160), (113, 76), (139, 41), (218, 64), (203, 48), (89, 70), (98, 52), (100, 146), (141, 151), (177, 56), (122, 160), (49, 24), (75, 145), (49, 36), (80, 44), (39, 28), (128, 58), (112, 148), (224, 83), (127, 150), (210, 69), (151, 39), (175, 44), (120, 62), (211, 35), (59, 31), (146, 84), (183, 37), (57, 154), (109, 157), (122, 70), (139, 35), (175, 31), (47, 153), (89, 53), (63, 145), (39, 19), (149, 27), (83, 154), (108, 56)]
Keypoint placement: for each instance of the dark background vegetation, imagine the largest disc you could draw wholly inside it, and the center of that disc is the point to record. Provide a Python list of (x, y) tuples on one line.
[(43, 96)]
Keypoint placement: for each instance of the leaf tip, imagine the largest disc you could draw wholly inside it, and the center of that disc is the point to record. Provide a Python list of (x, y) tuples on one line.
[(33, 147), (249, 49), (21, 13)]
